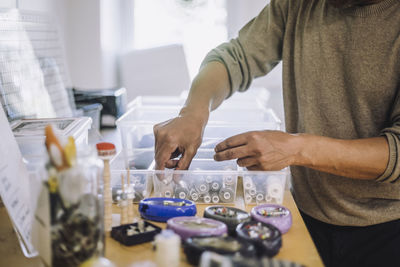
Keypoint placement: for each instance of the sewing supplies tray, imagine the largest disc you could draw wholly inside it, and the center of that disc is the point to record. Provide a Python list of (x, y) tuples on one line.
[(228, 215), (277, 215), (130, 234), (265, 237), (223, 245), (187, 227), (162, 209)]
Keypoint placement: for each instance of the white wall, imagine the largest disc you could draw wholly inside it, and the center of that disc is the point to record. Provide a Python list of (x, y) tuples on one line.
[(8, 3), (239, 13), (92, 43)]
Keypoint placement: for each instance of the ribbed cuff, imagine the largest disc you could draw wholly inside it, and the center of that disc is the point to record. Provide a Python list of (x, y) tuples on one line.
[(392, 171)]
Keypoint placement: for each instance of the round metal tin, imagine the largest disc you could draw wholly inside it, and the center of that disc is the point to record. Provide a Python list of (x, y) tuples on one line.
[(265, 237), (224, 245), (277, 215), (194, 226), (228, 215)]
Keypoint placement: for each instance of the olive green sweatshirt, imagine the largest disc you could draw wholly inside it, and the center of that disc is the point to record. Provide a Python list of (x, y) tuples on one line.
[(341, 79)]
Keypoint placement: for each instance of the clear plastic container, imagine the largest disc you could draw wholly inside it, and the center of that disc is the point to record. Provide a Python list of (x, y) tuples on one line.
[(76, 212), (141, 183), (264, 187), (30, 133), (206, 181), (138, 138), (231, 115)]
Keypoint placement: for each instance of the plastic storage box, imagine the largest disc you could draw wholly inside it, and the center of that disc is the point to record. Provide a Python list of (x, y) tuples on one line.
[(264, 187), (138, 138), (206, 181), (140, 180), (30, 133)]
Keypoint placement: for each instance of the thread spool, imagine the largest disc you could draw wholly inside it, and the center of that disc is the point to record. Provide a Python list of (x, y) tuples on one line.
[(247, 198), (259, 197), (215, 198), (181, 192), (194, 195), (202, 188), (215, 186), (207, 198), (208, 179), (228, 180), (248, 183), (167, 249), (252, 191), (167, 190), (226, 195), (274, 187)]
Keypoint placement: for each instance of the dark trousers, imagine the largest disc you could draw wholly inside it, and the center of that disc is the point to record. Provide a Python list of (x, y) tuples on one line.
[(339, 246)]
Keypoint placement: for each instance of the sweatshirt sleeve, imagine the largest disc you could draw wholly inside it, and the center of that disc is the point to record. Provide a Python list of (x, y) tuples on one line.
[(256, 50), (392, 134)]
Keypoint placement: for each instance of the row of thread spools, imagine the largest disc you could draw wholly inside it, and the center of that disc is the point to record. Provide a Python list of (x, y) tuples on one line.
[(211, 189), (200, 189)]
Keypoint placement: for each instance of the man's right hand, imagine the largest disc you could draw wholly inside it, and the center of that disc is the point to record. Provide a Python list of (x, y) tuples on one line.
[(180, 136)]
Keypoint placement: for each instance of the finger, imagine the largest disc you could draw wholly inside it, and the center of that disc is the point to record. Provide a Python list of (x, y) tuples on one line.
[(163, 154), (186, 159), (176, 153), (234, 141), (247, 161), (171, 164), (233, 153), (254, 168)]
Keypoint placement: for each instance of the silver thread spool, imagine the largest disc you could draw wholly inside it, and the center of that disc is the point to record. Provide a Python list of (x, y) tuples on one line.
[(215, 198), (167, 190), (201, 187), (248, 199), (275, 187), (227, 195), (208, 179), (228, 180), (247, 183), (252, 191), (215, 186), (182, 190), (207, 198), (260, 197), (194, 195)]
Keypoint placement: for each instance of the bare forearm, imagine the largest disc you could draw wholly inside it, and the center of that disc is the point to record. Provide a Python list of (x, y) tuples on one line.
[(209, 89), (359, 158)]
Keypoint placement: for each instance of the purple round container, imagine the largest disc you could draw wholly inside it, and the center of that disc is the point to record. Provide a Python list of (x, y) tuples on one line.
[(274, 214), (188, 226)]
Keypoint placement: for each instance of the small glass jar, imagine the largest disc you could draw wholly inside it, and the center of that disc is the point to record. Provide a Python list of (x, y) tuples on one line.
[(76, 211)]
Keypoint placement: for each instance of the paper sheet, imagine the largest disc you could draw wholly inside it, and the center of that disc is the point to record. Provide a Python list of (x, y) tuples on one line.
[(14, 186)]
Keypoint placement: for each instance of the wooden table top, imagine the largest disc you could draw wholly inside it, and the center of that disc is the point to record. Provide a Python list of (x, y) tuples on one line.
[(297, 243)]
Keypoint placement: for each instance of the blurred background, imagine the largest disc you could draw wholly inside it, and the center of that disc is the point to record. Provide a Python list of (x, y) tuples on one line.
[(150, 47)]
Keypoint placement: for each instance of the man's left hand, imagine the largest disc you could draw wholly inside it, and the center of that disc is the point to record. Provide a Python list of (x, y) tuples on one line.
[(259, 150)]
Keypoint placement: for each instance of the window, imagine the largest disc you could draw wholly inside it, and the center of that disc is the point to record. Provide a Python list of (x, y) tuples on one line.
[(199, 25)]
